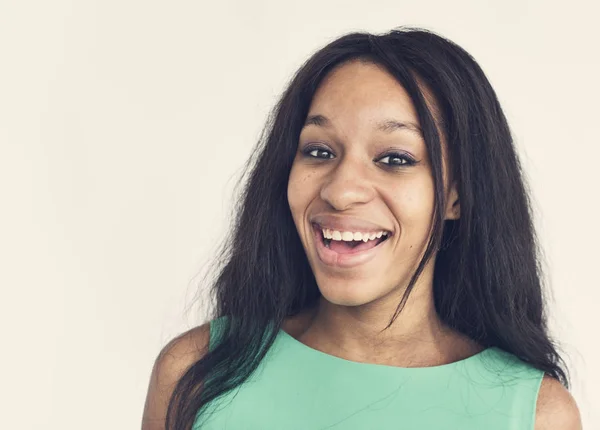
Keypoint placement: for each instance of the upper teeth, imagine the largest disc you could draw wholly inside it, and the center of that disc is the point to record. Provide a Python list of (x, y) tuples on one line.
[(349, 236)]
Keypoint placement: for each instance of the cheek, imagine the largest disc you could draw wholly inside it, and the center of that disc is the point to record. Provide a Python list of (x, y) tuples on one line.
[(413, 206), (299, 191)]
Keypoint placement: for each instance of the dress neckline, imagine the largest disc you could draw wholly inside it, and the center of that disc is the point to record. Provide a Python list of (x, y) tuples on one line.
[(315, 353)]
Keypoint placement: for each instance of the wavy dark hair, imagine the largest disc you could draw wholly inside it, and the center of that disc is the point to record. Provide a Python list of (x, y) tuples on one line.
[(488, 281)]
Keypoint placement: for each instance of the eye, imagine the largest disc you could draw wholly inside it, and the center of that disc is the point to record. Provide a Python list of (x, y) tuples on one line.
[(398, 160), (317, 152), (394, 159)]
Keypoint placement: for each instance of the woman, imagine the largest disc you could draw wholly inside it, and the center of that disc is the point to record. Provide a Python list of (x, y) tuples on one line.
[(383, 268)]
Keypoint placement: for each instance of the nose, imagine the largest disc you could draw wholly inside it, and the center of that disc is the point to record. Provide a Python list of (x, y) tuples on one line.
[(347, 185)]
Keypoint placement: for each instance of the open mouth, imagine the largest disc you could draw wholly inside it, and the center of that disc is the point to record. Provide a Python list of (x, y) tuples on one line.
[(350, 246)]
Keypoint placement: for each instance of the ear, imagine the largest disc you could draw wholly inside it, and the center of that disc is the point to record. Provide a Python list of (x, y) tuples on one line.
[(453, 204)]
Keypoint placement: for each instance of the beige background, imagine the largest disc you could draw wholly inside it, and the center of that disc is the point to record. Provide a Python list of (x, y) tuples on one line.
[(123, 126)]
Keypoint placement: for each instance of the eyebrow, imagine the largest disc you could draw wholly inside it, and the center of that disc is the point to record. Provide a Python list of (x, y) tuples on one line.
[(386, 126)]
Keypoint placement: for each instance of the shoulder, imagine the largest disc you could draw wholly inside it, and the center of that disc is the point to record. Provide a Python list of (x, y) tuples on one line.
[(183, 351), (170, 365), (556, 408)]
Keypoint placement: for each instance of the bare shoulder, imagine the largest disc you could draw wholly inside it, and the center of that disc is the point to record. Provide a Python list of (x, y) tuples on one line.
[(183, 351), (170, 365), (556, 408)]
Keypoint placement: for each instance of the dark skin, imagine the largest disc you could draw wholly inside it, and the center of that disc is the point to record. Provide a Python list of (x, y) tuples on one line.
[(348, 166), (302, 328), (556, 408), (357, 303)]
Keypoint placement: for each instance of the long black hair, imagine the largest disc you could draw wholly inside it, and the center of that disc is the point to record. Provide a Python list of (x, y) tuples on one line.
[(488, 281)]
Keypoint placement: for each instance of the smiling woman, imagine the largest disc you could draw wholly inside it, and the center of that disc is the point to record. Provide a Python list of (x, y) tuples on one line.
[(376, 170), (383, 271)]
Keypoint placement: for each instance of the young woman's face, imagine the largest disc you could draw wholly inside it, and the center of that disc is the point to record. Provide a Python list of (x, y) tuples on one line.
[(362, 167)]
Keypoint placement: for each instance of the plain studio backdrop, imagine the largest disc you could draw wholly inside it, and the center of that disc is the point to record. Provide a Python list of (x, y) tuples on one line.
[(125, 124)]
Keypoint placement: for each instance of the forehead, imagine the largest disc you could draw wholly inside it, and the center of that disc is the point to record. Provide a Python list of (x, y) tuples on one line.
[(358, 97), (362, 92)]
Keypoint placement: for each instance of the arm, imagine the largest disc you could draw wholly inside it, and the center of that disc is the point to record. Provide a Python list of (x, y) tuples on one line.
[(172, 362)]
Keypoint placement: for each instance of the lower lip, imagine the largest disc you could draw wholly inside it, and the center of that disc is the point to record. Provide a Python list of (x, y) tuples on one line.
[(332, 258)]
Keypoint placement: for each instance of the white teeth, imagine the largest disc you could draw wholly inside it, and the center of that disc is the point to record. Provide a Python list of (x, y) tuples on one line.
[(348, 236)]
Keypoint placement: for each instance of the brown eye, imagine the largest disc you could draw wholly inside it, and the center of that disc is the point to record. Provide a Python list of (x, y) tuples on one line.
[(317, 152), (398, 160)]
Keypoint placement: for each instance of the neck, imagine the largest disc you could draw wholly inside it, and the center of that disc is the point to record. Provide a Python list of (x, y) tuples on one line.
[(417, 336)]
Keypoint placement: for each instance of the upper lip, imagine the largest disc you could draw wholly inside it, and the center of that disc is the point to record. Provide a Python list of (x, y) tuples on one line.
[(346, 223)]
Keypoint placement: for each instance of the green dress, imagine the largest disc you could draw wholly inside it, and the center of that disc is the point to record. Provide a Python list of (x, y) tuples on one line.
[(300, 388)]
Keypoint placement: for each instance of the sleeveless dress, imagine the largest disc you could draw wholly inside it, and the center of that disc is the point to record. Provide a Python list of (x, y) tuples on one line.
[(297, 387)]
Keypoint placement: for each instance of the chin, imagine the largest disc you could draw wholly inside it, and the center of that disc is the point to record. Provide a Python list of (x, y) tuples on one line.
[(345, 292)]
